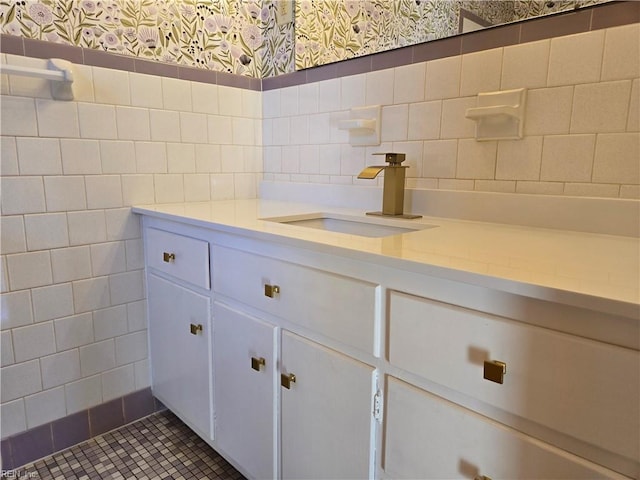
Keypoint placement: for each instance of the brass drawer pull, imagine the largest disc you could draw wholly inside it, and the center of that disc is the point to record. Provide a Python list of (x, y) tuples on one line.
[(495, 371), (256, 363), (271, 290), (195, 329), (168, 257), (481, 477), (287, 380)]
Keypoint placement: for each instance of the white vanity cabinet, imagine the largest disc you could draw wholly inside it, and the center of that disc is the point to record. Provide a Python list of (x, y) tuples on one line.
[(179, 307), (325, 395), (325, 412), (309, 362), (244, 372)]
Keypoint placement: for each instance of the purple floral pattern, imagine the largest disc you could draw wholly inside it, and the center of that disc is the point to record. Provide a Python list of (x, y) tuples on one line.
[(243, 36), (333, 30), (234, 36)]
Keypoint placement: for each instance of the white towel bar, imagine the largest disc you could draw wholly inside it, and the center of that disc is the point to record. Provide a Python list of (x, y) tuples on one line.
[(59, 72)]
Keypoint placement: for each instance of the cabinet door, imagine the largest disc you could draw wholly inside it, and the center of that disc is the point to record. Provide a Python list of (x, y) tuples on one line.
[(180, 360), (325, 414), (428, 437), (244, 370)]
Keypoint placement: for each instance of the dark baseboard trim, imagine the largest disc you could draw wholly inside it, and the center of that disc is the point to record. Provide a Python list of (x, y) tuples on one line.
[(44, 440)]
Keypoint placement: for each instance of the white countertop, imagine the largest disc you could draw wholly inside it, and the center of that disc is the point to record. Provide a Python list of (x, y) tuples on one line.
[(595, 271)]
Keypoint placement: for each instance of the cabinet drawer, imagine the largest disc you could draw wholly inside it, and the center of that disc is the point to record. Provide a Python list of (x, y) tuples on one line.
[(183, 257), (583, 388), (428, 437), (339, 307)]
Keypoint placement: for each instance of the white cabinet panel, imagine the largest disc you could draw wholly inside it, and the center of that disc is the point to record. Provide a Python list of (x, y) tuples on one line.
[(180, 360), (244, 406), (320, 425), (430, 438), (183, 257), (326, 413), (580, 387), (339, 307)]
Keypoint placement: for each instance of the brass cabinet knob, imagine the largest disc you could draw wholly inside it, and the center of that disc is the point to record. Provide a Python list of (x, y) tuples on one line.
[(287, 380), (168, 257), (256, 363), (195, 329), (481, 477), (495, 371), (271, 290)]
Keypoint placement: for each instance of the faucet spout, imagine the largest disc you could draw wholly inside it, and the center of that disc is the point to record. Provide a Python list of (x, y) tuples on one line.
[(369, 173), (393, 189)]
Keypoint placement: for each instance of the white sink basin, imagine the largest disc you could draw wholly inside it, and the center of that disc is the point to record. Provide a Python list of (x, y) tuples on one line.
[(352, 225)]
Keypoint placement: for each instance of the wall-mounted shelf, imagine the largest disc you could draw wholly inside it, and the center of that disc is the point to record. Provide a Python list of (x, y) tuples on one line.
[(498, 110), (499, 115), (363, 125), (59, 73)]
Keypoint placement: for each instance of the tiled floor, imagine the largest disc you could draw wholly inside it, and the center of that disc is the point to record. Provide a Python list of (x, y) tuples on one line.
[(156, 447)]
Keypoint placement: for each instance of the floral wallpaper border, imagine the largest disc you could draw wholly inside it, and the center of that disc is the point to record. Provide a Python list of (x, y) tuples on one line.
[(243, 36), (332, 30), (234, 36)]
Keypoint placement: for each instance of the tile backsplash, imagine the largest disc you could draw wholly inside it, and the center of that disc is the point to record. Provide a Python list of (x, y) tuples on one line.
[(73, 305), (73, 300), (581, 127)]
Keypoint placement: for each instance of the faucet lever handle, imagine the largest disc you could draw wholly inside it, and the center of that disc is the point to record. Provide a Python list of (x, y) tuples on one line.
[(393, 158)]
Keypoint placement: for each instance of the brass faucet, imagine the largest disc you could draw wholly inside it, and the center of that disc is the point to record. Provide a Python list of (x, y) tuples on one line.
[(393, 189)]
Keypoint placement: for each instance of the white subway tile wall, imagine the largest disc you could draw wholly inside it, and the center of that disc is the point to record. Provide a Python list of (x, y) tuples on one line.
[(33, 341), (481, 72), (84, 393), (6, 348), (39, 156), (525, 65), (22, 112), (576, 59), (408, 83), (20, 380), (97, 357), (44, 407), (581, 125), (57, 119), (60, 368), (73, 303), (146, 91), (97, 121), (118, 382), (51, 302), (14, 419)]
